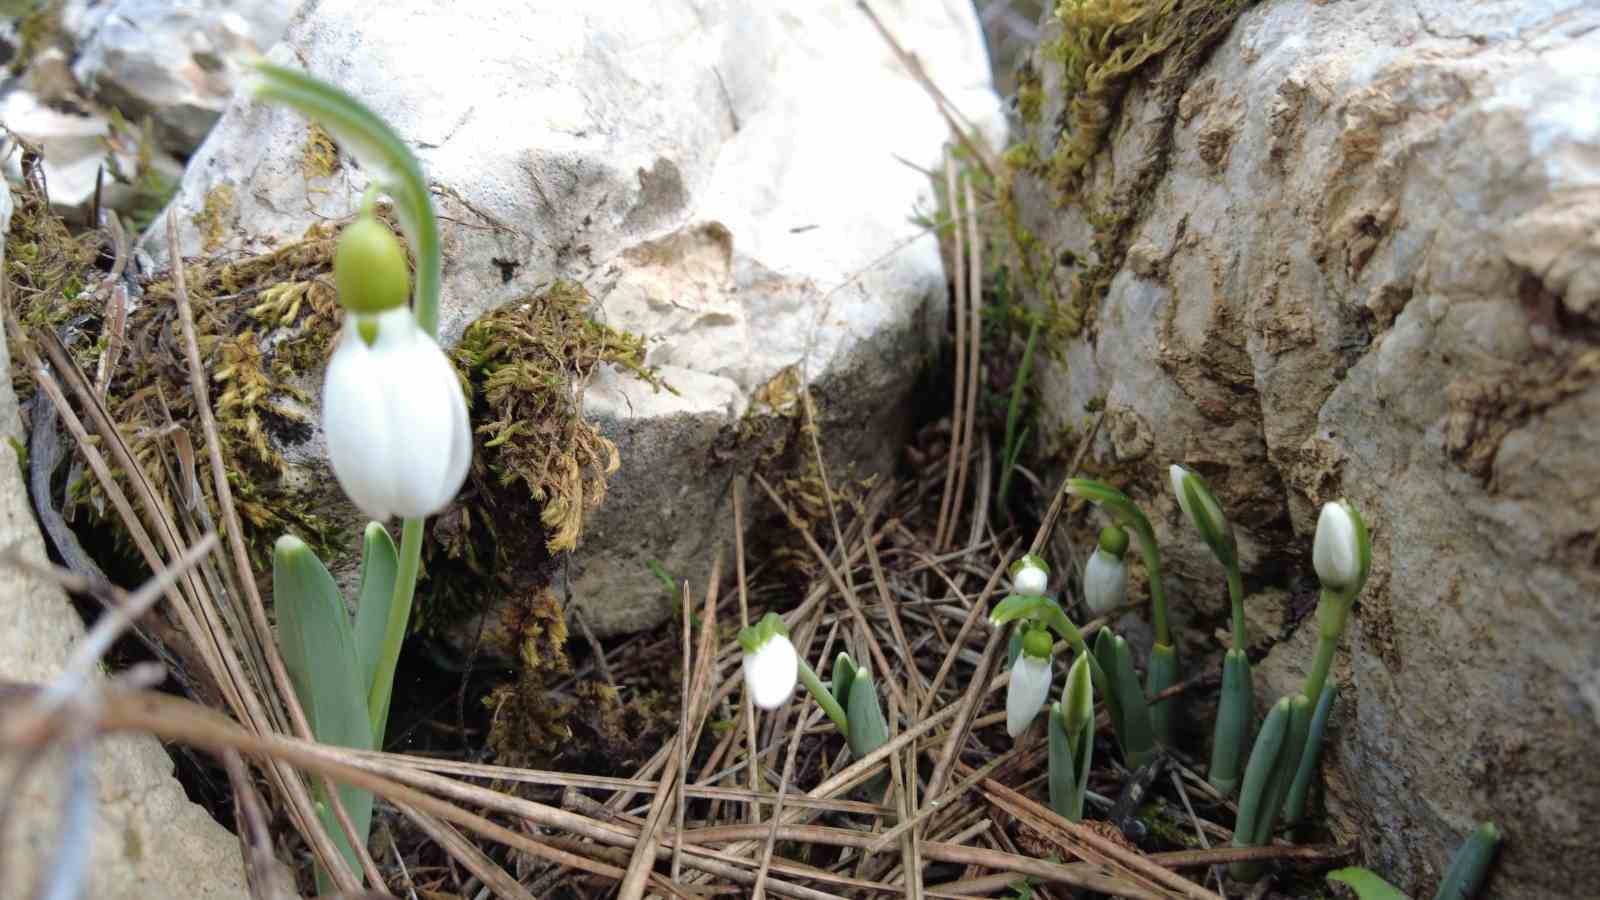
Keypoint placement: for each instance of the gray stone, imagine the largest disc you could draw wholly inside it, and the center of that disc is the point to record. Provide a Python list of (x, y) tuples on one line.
[(175, 62), (727, 179), (1367, 268), (148, 840)]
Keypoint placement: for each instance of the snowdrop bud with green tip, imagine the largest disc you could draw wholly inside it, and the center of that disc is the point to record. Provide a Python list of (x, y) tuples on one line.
[(394, 418), (1203, 511), (1105, 576), (1030, 576), (771, 665), (1030, 681)]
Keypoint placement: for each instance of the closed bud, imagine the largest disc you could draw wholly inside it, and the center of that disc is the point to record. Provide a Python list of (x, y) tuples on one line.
[(1341, 553), (1203, 511), (1030, 576)]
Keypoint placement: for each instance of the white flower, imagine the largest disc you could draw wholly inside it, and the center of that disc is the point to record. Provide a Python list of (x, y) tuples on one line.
[(394, 418), (1337, 552), (1029, 579), (1030, 686), (770, 671), (1105, 581)]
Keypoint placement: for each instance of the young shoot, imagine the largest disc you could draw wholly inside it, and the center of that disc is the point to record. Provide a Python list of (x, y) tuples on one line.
[(1072, 741), (1231, 735)]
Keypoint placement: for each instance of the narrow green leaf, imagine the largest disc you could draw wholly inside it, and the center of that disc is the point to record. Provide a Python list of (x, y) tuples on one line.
[(1138, 737), (1234, 712), (1366, 884), (1470, 866), (1105, 653), (1163, 674), (1063, 769), (1284, 770), (844, 674), (319, 651), (1294, 805), (1258, 773), (379, 562), (868, 729)]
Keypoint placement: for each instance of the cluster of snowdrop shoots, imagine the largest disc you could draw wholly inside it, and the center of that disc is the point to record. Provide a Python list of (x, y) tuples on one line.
[(1270, 776)]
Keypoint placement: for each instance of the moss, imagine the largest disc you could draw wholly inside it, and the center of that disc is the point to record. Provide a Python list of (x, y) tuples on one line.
[(527, 725), (1099, 49), (212, 218), (519, 364), (258, 320), (319, 155)]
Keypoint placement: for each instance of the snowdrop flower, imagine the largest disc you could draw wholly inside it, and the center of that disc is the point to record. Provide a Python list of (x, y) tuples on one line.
[(1030, 576), (392, 410), (1341, 553), (1105, 577), (1030, 681), (771, 666), (1203, 511)]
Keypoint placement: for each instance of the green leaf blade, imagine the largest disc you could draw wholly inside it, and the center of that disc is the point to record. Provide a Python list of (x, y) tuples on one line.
[(380, 562)]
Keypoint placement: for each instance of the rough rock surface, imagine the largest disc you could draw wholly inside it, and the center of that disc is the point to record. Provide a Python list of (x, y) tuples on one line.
[(148, 839), (717, 175), (1367, 268), (175, 62), (173, 65)]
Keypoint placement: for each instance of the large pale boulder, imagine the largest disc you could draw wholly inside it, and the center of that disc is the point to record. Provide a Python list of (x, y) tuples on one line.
[(1360, 260), (148, 840), (733, 180)]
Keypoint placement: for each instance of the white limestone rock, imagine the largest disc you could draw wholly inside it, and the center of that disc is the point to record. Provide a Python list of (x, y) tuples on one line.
[(148, 840), (1367, 269), (733, 179)]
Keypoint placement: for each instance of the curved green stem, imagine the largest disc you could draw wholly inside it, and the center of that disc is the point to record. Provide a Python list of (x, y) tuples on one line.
[(824, 698), (1236, 596), (1158, 590)]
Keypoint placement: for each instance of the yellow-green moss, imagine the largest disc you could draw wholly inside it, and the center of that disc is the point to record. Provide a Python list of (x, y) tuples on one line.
[(319, 155), (254, 390), (212, 218), (519, 362)]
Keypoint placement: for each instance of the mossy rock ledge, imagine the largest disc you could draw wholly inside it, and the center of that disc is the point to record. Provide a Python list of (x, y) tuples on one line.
[(1317, 250)]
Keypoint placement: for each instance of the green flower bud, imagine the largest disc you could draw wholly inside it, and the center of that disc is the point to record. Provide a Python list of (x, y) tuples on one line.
[(1037, 643), (1114, 541), (369, 268)]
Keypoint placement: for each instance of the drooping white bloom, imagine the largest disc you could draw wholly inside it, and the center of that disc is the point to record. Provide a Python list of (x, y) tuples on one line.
[(770, 671), (1030, 579), (1030, 686), (1337, 552), (1105, 581), (394, 418)]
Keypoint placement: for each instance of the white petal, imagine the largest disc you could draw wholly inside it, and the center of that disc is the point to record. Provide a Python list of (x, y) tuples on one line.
[(1030, 685), (419, 390), (359, 440), (1105, 581), (1334, 553), (771, 671), (1178, 473), (1031, 581)]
